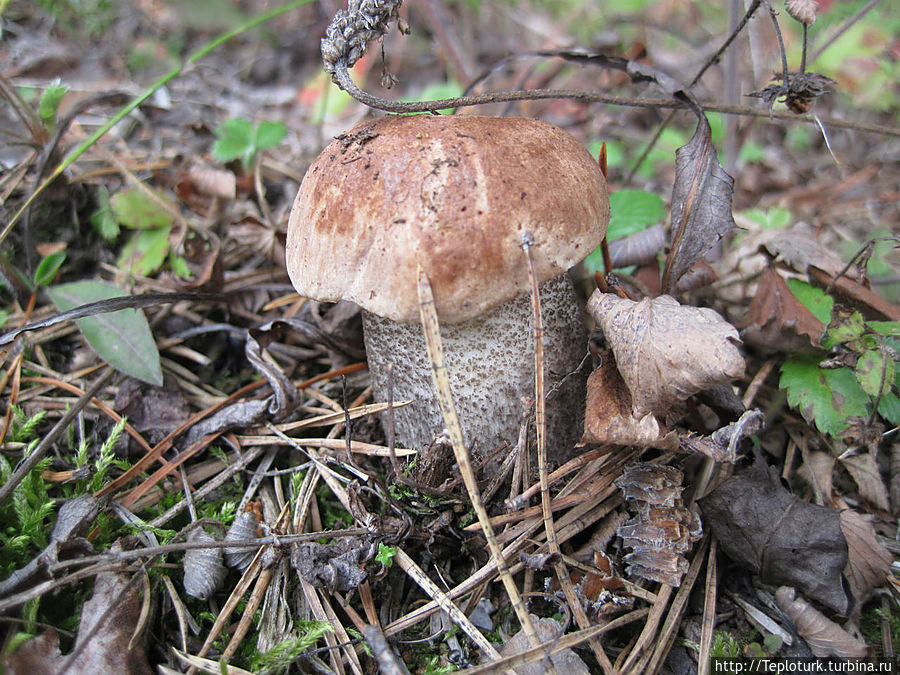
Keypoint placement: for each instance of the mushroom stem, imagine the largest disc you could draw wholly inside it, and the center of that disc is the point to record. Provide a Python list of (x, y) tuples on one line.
[(489, 364)]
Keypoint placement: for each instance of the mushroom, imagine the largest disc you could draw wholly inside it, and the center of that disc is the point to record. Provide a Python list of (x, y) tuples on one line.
[(456, 194)]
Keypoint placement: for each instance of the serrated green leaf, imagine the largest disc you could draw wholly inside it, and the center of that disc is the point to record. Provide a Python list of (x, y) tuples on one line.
[(49, 105), (136, 209), (875, 373), (825, 398), (269, 134), (632, 211), (814, 299), (48, 268), (235, 139), (122, 339), (103, 219), (145, 252)]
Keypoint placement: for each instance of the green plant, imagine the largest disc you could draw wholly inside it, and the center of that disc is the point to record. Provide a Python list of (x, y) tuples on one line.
[(630, 212), (48, 268), (724, 645), (385, 554), (280, 658), (241, 139), (859, 383), (49, 104)]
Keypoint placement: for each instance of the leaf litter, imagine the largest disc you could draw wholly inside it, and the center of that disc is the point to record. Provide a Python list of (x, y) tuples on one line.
[(232, 367)]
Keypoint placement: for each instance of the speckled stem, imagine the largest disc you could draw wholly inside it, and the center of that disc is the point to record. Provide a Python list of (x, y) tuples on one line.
[(491, 369)]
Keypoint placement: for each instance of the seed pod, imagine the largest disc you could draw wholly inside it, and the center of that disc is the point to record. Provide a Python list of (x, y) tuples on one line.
[(803, 11), (244, 527), (203, 570)]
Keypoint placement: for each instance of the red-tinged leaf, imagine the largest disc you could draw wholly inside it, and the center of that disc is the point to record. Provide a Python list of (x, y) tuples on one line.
[(778, 320), (701, 204)]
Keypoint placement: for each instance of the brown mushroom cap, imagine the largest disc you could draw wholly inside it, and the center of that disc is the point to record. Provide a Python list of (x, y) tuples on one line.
[(452, 193)]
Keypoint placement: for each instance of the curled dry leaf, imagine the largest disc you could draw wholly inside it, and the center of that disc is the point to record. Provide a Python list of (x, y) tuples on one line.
[(701, 204), (244, 527), (608, 418), (722, 445), (868, 562), (824, 637), (665, 351), (203, 569), (763, 527)]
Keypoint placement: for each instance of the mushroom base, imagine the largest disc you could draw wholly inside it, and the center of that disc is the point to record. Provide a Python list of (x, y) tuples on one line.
[(490, 364)]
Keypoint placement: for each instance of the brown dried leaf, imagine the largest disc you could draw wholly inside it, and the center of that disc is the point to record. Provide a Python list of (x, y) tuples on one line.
[(824, 637), (778, 320), (816, 470), (868, 563), (701, 204), (608, 416), (666, 352), (40, 654), (798, 248), (865, 473), (106, 641), (763, 527)]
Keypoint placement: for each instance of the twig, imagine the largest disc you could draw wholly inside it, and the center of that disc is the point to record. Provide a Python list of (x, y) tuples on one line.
[(448, 408)]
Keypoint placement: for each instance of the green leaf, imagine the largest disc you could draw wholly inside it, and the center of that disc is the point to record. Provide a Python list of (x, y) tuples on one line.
[(48, 268), (776, 218), (891, 328), (875, 373), (844, 329), (103, 219), (889, 408), (632, 211), (122, 339), (145, 252), (136, 209), (825, 398), (49, 105), (814, 299), (269, 134), (235, 139)]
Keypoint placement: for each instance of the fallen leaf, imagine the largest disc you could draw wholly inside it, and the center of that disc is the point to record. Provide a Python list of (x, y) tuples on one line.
[(816, 470), (798, 248), (665, 351), (701, 204), (778, 320), (40, 654), (122, 338), (764, 528), (824, 637), (867, 477), (868, 563), (608, 416)]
